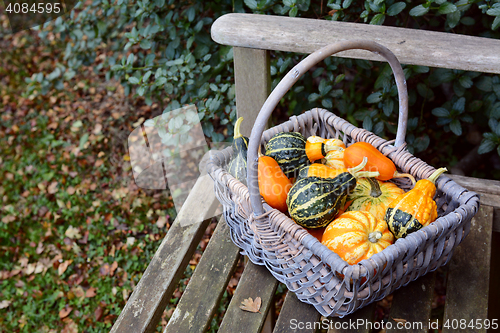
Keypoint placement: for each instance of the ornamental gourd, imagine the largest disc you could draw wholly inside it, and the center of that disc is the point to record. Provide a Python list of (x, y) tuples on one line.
[(357, 235), (289, 151), (292, 151), (335, 159), (273, 184), (238, 165), (373, 196), (317, 147), (414, 209), (355, 153), (313, 202)]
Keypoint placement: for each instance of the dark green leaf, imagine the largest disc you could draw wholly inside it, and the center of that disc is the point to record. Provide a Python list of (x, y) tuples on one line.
[(378, 19), (441, 112), (496, 23), (252, 4), (465, 81), (421, 143), (313, 97), (327, 103), (486, 146), (346, 3), (453, 18), (447, 8), (418, 10), (145, 44), (456, 127), (484, 83), (388, 107), (493, 124), (396, 8), (459, 105), (367, 123), (133, 80), (374, 98), (493, 11)]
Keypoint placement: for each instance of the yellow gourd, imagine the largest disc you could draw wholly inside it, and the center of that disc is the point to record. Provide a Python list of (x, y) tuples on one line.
[(414, 209), (357, 235)]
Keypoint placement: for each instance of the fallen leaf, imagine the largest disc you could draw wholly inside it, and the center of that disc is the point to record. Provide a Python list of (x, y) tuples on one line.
[(4, 304), (104, 270), (9, 218), (125, 294), (78, 292), (65, 311), (52, 188), (70, 190), (90, 292), (98, 313), (113, 268), (71, 326), (63, 267), (130, 241), (98, 163), (399, 320), (250, 305), (162, 220), (73, 233), (97, 129)]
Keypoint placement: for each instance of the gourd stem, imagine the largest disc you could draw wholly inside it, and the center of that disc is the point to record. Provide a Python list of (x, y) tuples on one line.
[(332, 145), (374, 236), (237, 133), (375, 190), (435, 175), (358, 167), (402, 175), (365, 174)]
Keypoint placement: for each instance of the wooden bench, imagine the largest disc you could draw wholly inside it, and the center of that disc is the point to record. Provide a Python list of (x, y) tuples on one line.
[(253, 37)]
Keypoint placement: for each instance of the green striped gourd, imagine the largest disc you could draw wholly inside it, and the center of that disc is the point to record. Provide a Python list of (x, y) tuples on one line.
[(289, 150), (313, 202), (238, 165)]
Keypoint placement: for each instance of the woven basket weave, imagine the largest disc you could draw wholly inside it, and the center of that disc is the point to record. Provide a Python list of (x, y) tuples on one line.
[(317, 275)]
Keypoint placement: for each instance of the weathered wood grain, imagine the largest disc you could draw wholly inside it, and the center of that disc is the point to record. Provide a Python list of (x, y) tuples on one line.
[(150, 297), (411, 46), (360, 321), (253, 83), (413, 303), (207, 285), (489, 193), (296, 316), (256, 281), (477, 185), (469, 275)]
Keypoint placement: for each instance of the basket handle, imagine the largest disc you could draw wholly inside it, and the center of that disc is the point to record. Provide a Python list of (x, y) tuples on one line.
[(293, 76)]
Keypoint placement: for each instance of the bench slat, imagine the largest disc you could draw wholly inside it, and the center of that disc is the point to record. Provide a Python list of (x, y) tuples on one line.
[(150, 297), (470, 266), (256, 281), (413, 303), (252, 78), (411, 46), (207, 285), (349, 324), (295, 315)]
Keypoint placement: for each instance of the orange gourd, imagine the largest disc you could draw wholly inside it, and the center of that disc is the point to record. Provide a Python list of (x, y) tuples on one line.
[(357, 235), (317, 147), (273, 184), (353, 155)]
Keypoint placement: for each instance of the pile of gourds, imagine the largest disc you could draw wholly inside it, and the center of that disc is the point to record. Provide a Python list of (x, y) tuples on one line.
[(340, 194)]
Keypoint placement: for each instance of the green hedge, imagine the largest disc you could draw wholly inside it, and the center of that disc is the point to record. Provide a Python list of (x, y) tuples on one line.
[(162, 50)]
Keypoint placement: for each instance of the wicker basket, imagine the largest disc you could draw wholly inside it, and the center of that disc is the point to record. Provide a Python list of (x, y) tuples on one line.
[(316, 274)]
